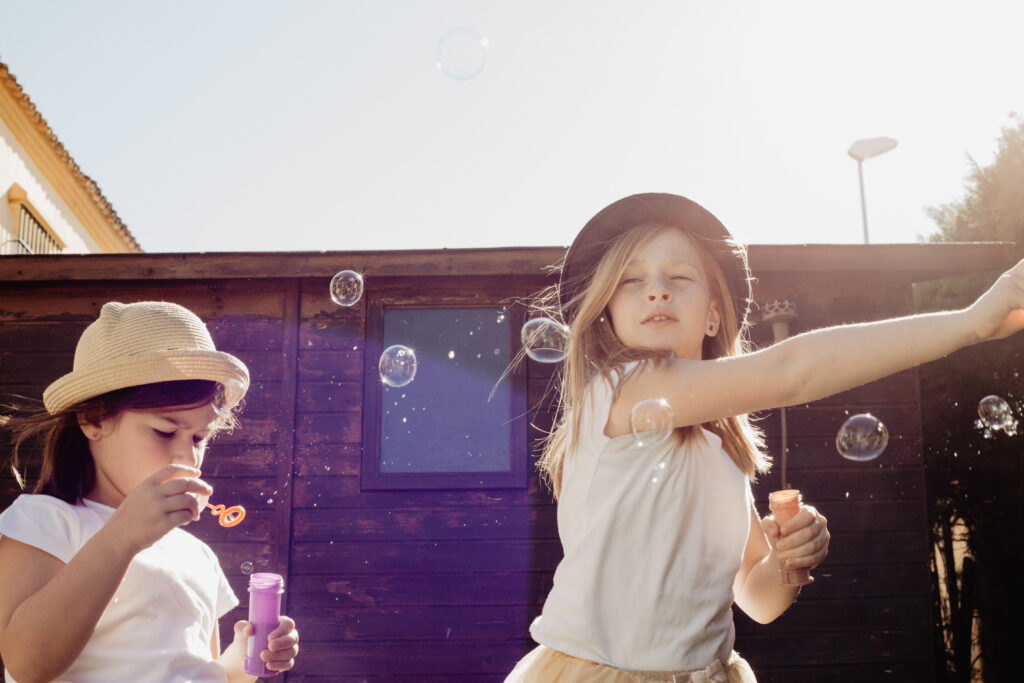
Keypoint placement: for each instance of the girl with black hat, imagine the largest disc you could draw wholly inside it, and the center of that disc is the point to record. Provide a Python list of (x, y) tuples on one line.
[(660, 538)]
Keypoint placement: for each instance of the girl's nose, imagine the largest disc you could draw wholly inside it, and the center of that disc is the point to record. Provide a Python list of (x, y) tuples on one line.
[(185, 454), (659, 292)]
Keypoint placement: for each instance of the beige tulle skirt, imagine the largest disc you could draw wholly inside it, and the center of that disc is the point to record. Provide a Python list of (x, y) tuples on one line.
[(542, 664)]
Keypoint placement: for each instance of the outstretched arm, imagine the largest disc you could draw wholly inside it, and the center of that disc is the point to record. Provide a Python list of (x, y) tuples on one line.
[(820, 363)]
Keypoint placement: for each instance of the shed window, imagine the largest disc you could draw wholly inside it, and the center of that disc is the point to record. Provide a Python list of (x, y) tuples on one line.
[(455, 425)]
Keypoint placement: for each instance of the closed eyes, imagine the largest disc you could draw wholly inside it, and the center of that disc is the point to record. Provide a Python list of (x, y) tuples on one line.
[(170, 435), (680, 278)]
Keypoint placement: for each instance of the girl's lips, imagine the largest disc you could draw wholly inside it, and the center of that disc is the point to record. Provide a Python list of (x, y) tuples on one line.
[(658, 318)]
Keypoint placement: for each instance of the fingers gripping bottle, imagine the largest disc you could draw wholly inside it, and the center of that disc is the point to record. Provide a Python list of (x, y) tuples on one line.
[(784, 504), (265, 591)]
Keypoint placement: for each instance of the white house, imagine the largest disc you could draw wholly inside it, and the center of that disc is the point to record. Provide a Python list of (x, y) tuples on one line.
[(47, 205)]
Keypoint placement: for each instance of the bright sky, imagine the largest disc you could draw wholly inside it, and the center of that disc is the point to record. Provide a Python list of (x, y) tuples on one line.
[(315, 125)]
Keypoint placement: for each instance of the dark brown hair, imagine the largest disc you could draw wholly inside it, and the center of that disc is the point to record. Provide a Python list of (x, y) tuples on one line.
[(66, 469)]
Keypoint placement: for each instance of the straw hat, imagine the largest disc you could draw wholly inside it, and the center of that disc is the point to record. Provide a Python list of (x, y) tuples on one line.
[(652, 207), (142, 343)]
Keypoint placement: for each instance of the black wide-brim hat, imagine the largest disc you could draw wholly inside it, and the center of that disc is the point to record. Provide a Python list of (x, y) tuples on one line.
[(653, 207)]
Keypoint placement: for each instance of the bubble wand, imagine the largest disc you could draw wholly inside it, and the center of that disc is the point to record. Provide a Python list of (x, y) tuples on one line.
[(228, 516)]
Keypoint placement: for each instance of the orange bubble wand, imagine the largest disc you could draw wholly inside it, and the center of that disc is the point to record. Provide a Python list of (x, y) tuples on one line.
[(227, 516)]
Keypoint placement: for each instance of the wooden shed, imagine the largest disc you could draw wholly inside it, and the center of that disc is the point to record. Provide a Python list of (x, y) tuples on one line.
[(412, 554)]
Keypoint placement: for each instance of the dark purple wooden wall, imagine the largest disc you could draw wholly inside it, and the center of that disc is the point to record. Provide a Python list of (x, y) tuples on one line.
[(441, 585)]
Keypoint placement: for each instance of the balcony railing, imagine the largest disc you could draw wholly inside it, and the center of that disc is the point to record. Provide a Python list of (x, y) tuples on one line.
[(32, 238)]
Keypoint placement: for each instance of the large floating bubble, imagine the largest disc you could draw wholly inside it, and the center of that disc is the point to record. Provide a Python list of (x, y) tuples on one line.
[(996, 415), (862, 437), (347, 288), (247, 567), (545, 340), (397, 365), (651, 422), (462, 53)]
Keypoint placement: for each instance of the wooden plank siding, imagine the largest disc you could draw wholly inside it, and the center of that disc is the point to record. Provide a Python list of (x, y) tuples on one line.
[(441, 585)]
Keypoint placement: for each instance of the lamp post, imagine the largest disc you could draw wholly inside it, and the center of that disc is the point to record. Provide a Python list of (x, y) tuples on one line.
[(865, 149), (780, 313)]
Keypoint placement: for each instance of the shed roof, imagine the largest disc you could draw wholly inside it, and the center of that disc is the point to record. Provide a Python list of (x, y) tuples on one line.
[(917, 262)]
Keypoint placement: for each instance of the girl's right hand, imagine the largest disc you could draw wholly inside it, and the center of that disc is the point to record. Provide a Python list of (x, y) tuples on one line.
[(998, 312), (168, 498)]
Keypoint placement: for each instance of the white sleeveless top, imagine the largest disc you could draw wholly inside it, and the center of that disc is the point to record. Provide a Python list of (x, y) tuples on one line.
[(652, 540)]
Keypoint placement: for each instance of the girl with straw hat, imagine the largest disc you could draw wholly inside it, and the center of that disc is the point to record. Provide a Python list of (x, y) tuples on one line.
[(100, 583)]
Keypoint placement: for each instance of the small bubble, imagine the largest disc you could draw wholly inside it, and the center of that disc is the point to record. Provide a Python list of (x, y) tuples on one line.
[(462, 53), (397, 365), (347, 288), (545, 340), (651, 422), (996, 415), (862, 437), (247, 567)]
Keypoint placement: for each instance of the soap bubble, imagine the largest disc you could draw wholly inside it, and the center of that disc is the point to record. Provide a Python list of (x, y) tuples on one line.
[(862, 437), (651, 422), (996, 415), (247, 567), (397, 365), (545, 340), (461, 53), (347, 288), (233, 388)]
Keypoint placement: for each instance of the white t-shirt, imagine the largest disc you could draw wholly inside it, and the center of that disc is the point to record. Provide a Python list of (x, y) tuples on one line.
[(652, 540), (158, 626)]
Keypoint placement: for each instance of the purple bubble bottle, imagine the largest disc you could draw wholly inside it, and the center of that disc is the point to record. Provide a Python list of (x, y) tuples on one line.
[(265, 591)]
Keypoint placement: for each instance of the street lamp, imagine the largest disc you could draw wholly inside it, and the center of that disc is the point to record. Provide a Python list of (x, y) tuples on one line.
[(865, 149)]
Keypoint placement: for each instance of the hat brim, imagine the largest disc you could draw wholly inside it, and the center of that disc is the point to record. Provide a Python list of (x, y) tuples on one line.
[(148, 368), (641, 209)]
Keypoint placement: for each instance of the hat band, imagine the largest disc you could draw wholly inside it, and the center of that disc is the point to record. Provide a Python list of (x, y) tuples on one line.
[(161, 366)]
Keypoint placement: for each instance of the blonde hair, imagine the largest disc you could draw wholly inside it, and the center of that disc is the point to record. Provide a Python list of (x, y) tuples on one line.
[(594, 350)]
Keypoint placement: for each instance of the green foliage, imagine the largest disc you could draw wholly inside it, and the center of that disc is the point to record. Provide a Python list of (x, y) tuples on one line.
[(970, 478), (993, 208)]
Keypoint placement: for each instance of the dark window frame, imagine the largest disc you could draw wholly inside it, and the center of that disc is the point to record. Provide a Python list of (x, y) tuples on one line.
[(371, 476)]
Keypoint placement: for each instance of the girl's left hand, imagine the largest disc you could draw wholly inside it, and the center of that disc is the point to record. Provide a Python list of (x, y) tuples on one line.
[(282, 645), (802, 542)]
